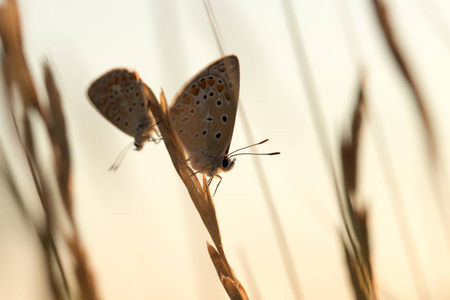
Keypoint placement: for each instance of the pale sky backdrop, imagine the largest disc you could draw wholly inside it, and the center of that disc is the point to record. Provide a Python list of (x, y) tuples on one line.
[(143, 235)]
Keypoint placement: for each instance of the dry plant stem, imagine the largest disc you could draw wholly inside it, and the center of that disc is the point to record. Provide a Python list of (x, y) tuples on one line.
[(262, 178), (202, 199), (41, 234), (14, 62), (382, 15), (16, 73), (438, 24), (319, 123), (45, 235), (56, 126), (350, 146), (234, 291), (398, 204), (357, 213), (355, 274)]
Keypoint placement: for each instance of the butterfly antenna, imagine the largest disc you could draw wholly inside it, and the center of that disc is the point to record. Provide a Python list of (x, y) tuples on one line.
[(272, 153), (120, 157), (262, 142)]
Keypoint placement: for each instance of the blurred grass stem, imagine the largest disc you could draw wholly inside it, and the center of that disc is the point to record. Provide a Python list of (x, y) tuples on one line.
[(262, 178)]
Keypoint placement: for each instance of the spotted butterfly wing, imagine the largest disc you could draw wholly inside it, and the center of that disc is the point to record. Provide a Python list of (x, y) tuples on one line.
[(118, 96), (204, 112)]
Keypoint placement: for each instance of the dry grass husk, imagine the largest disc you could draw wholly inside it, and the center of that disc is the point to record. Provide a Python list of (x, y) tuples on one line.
[(200, 195)]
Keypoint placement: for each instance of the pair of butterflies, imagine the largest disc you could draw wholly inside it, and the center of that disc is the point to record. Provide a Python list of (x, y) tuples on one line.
[(203, 113)]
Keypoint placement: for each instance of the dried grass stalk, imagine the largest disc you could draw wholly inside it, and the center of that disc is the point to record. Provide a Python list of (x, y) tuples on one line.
[(359, 266), (318, 118), (200, 195), (419, 100), (56, 126), (421, 285), (349, 146), (356, 276), (16, 73), (275, 219), (14, 63)]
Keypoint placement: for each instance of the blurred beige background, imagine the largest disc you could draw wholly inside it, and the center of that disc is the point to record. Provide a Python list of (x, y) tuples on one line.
[(143, 236)]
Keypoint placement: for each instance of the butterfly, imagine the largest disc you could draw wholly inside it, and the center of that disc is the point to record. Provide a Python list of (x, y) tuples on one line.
[(203, 114), (118, 96)]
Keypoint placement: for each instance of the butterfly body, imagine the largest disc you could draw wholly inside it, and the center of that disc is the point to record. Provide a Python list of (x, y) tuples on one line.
[(203, 114), (210, 164), (118, 96)]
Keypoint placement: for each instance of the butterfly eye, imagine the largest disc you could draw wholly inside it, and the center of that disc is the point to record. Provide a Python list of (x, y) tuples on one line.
[(225, 162)]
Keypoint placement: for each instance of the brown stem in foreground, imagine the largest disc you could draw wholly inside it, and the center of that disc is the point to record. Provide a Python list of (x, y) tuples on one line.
[(202, 199), (16, 73), (319, 122), (419, 100), (359, 268)]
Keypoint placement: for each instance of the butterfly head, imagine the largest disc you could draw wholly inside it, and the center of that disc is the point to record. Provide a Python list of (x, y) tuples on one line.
[(139, 143), (223, 164), (144, 131), (226, 163)]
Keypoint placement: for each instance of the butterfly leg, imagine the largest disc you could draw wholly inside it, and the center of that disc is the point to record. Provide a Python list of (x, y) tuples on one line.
[(209, 183), (158, 134), (157, 129), (156, 141), (200, 171), (217, 186)]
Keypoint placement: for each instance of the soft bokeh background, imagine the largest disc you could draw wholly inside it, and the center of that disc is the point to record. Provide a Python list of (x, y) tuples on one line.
[(143, 236)]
